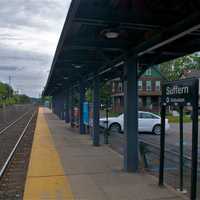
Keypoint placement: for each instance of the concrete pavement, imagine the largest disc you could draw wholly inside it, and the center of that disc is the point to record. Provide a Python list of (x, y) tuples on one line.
[(96, 173)]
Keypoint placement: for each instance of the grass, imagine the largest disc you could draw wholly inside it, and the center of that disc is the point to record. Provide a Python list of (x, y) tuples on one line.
[(113, 114), (173, 119), (110, 113)]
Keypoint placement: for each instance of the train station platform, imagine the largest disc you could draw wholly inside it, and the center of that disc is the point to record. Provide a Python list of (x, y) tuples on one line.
[(65, 165)]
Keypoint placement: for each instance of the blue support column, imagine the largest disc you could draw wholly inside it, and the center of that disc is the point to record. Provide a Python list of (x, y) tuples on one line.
[(71, 106), (82, 99), (53, 104), (67, 104), (56, 105), (131, 159), (62, 105), (96, 107), (59, 106)]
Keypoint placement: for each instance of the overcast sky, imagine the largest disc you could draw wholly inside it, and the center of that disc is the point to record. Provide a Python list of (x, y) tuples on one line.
[(29, 33)]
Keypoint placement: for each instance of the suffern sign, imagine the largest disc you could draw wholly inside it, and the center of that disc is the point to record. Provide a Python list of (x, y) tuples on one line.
[(177, 90), (182, 92)]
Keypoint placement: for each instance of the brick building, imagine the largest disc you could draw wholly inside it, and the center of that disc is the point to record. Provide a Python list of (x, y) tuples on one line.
[(149, 86)]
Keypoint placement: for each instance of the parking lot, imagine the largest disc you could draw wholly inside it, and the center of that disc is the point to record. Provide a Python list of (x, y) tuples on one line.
[(172, 139)]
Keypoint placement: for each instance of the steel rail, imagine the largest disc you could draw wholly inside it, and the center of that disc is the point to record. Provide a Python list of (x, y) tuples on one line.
[(16, 145), (2, 131)]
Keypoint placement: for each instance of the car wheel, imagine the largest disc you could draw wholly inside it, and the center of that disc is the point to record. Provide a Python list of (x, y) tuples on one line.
[(115, 127), (157, 129)]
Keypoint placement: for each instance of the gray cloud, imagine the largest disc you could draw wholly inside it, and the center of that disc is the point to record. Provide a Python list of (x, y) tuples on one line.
[(29, 33)]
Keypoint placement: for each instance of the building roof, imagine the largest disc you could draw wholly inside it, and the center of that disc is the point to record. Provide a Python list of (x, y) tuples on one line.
[(100, 35), (191, 73)]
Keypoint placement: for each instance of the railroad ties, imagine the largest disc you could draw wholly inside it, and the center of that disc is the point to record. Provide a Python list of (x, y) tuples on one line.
[(16, 141)]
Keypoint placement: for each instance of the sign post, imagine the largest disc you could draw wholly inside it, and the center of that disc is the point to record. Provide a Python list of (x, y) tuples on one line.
[(181, 93), (106, 131), (162, 145), (181, 147)]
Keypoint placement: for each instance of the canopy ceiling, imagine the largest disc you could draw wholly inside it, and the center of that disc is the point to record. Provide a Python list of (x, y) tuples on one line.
[(100, 35)]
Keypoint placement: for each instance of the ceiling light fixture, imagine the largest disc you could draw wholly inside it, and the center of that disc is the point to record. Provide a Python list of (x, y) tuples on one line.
[(77, 66), (111, 35)]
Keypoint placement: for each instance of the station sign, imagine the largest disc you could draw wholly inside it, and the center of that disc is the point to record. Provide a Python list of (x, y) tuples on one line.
[(86, 113), (182, 92)]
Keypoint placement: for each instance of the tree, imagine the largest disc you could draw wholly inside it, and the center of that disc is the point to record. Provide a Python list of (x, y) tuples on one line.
[(104, 93), (3, 91), (173, 69), (24, 99), (7, 96), (88, 95)]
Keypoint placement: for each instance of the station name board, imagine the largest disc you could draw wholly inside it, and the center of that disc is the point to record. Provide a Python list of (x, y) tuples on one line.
[(183, 92)]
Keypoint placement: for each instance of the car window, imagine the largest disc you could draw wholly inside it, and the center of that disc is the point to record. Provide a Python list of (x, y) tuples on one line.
[(148, 116), (154, 117), (143, 116)]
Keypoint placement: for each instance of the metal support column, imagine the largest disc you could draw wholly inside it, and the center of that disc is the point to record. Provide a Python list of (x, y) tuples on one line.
[(96, 107), (62, 101), (53, 104), (56, 105), (59, 101), (195, 128), (66, 105), (72, 107), (181, 147), (162, 146), (82, 99), (131, 160)]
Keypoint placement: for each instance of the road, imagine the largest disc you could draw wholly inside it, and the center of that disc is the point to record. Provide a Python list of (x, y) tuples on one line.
[(172, 139)]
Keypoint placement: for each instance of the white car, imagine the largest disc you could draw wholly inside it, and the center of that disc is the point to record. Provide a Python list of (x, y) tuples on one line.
[(147, 122)]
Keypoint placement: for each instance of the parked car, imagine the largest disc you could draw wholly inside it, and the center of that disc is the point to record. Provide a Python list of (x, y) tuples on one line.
[(147, 122)]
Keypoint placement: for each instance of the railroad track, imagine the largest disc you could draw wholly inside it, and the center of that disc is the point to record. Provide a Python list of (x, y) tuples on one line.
[(3, 130), (16, 141), (11, 113)]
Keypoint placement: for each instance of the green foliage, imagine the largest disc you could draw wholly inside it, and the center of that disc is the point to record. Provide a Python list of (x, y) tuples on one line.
[(173, 69), (7, 96), (46, 99), (88, 95), (175, 119), (23, 99), (104, 93), (5, 90)]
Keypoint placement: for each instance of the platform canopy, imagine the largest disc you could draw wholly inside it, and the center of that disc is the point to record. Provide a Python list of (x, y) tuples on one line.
[(101, 35)]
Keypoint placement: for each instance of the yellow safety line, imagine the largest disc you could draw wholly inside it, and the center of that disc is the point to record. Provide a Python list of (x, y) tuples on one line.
[(45, 179)]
